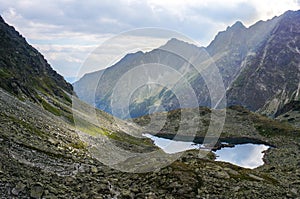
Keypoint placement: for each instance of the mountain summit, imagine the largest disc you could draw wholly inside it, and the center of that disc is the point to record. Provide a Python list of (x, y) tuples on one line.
[(237, 26)]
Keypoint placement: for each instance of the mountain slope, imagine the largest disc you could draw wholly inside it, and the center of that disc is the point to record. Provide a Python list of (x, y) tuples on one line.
[(290, 113), (259, 66), (271, 77), (26, 74), (43, 157)]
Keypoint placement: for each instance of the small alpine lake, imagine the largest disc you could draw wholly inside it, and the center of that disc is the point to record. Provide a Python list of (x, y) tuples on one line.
[(246, 153)]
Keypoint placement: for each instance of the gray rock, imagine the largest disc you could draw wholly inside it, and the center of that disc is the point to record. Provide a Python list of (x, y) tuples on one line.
[(231, 171), (50, 196), (52, 190), (52, 141), (94, 169), (18, 188), (37, 191), (237, 188), (221, 175), (126, 193), (255, 177), (294, 191)]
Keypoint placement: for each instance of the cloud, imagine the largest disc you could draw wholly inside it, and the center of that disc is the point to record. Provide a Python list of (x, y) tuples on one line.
[(61, 23), (107, 17), (68, 56), (227, 13)]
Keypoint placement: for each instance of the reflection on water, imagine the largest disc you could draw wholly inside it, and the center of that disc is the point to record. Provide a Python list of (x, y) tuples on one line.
[(244, 155), (172, 146)]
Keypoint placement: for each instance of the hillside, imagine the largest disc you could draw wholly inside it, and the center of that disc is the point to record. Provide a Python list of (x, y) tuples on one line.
[(25, 73), (290, 113), (43, 156)]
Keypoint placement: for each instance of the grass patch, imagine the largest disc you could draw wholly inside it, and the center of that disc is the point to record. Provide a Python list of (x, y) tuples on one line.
[(4, 73), (58, 110), (90, 128), (123, 137), (94, 130), (269, 128), (79, 145), (50, 108), (67, 98)]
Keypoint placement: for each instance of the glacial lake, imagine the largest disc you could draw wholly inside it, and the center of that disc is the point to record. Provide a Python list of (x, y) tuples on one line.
[(244, 155)]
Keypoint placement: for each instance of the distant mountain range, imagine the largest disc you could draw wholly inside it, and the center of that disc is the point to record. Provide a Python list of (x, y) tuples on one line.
[(260, 67)]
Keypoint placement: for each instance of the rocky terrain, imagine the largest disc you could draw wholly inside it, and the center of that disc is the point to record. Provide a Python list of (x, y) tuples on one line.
[(290, 113), (42, 156)]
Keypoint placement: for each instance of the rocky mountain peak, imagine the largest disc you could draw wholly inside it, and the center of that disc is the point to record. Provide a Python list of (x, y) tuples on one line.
[(229, 39), (177, 43), (289, 22), (271, 78), (180, 47), (291, 13), (130, 56), (237, 26)]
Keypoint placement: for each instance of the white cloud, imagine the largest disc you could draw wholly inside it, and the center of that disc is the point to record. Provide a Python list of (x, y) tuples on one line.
[(67, 27)]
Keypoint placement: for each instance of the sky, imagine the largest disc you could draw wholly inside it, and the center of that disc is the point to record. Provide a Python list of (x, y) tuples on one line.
[(67, 31)]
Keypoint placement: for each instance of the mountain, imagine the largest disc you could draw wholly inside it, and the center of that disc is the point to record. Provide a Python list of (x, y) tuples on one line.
[(97, 88), (29, 82), (259, 66), (270, 78), (25, 73), (44, 156), (290, 113)]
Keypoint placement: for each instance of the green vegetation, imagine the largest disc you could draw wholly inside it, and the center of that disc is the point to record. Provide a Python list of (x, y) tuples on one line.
[(93, 130), (268, 127), (51, 108), (4, 73), (78, 145), (90, 128)]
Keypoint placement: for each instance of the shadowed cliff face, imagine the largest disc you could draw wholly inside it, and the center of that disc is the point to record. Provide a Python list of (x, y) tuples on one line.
[(270, 79), (25, 73), (259, 66)]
